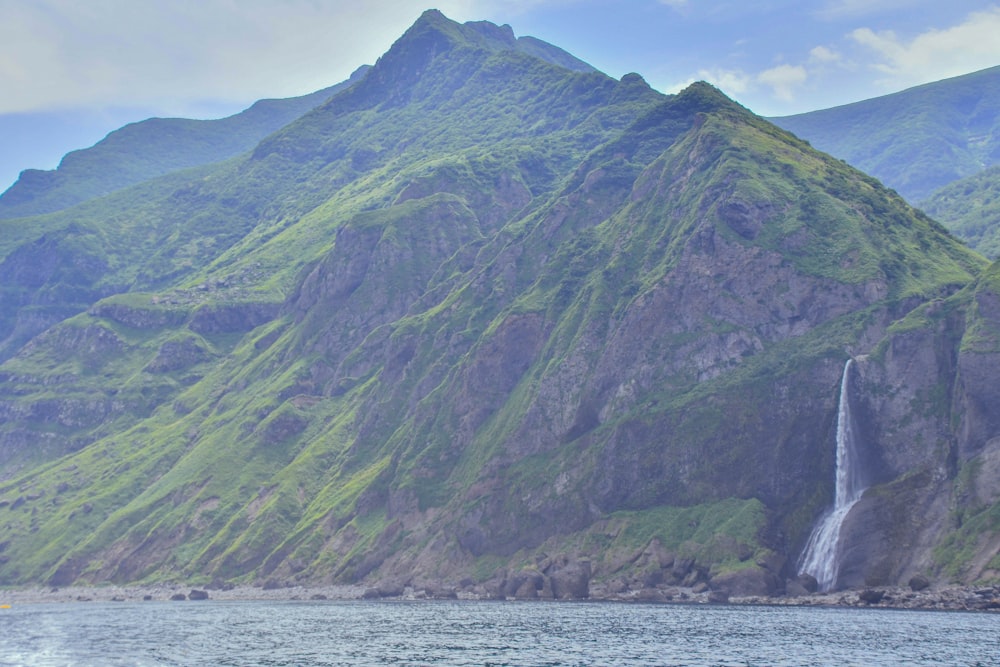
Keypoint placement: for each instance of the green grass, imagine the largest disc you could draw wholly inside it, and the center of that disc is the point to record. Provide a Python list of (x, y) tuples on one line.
[(497, 294), (915, 141), (953, 555), (970, 208)]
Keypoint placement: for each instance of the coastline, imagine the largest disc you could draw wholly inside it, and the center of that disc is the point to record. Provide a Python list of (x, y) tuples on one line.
[(167, 592), (944, 598)]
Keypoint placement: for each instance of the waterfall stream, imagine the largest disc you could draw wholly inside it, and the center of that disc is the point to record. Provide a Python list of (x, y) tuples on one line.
[(820, 556)]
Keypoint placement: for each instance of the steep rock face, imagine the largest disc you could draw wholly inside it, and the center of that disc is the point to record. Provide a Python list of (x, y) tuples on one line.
[(929, 429), (890, 534), (906, 397), (176, 355), (978, 362), (380, 267), (232, 318), (602, 395), (45, 281), (535, 327), (54, 398)]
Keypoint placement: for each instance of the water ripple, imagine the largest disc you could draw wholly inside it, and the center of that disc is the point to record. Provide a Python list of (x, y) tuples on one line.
[(282, 634)]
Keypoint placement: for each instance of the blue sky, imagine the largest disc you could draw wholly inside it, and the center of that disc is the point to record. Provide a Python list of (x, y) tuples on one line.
[(73, 70)]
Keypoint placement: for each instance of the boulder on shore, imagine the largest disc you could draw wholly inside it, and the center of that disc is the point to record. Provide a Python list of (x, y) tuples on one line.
[(871, 596), (748, 581)]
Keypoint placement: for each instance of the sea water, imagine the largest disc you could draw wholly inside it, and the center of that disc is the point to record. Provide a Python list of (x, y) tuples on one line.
[(487, 633)]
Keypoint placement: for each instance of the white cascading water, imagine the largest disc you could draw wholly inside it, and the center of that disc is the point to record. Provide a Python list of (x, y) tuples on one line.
[(820, 556)]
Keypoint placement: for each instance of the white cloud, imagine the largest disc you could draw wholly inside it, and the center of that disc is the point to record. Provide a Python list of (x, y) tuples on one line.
[(58, 54), (731, 82), (935, 54), (822, 54), (781, 81), (784, 80)]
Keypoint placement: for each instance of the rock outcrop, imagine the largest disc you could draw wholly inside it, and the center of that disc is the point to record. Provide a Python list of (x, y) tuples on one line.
[(483, 324)]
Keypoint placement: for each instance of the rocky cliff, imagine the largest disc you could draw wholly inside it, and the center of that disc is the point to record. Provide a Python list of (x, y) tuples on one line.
[(484, 321), (930, 426)]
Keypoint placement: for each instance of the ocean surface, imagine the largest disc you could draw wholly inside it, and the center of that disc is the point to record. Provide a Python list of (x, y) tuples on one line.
[(487, 633)]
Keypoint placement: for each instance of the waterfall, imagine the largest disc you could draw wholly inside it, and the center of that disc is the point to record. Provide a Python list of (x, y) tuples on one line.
[(820, 556)]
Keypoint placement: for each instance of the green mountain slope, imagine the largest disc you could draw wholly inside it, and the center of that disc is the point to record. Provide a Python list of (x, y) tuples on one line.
[(154, 240), (147, 149), (481, 321), (917, 140), (150, 148), (970, 208), (235, 237)]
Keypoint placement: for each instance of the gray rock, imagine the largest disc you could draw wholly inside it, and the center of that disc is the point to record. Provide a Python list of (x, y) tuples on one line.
[(794, 589), (681, 567), (718, 597), (871, 596), (808, 582), (571, 581), (649, 595), (518, 583), (526, 591), (746, 582)]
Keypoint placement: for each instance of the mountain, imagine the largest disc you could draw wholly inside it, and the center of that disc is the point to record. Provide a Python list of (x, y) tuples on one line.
[(150, 148), (970, 208), (917, 140), (157, 146), (481, 321)]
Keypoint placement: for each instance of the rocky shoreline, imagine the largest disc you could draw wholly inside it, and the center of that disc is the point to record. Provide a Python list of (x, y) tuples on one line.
[(947, 598), (944, 599)]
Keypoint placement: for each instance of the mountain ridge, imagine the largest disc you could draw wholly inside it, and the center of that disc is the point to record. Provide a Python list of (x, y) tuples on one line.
[(149, 148), (971, 209), (483, 319), (916, 140)]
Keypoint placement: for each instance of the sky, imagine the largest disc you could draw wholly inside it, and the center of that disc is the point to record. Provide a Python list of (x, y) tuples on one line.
[(73, 70)]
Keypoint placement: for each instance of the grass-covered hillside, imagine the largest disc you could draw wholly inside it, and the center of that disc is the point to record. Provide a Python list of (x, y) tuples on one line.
[(480, 320), (150, 148), (917, 140), (970, 208)]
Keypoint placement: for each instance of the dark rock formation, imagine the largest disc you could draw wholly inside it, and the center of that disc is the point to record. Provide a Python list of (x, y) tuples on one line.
[(807, 582), (570, 580), (871, 596), (749, 581)]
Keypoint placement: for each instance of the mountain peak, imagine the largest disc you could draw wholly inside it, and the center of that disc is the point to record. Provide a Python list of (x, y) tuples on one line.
[(433, 27), (433, 34), (480, 33), (502, 34)]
